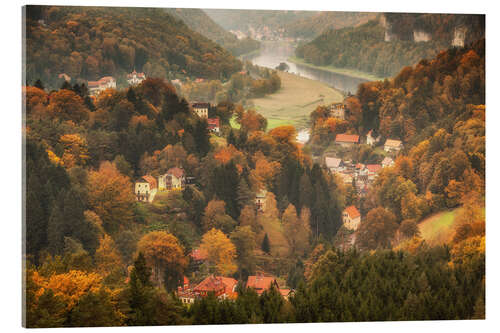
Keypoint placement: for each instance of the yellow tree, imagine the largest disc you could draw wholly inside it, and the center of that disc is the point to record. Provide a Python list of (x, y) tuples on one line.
[(67, 105), (220, 250), (75, 150), (165, 255), (111, 196), (107, 258)]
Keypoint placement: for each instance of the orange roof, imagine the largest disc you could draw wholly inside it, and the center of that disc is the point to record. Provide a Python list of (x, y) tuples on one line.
[(211, 283), (352, 211), (229, 283), (350, 138), (177, 172), (260, 283), (284, 292), (151, 180), (374, 167)]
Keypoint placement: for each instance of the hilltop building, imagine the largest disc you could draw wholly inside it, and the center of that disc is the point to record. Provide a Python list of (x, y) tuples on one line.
[(173, 179), (334, 164), (95, 87), (201, 109), (146, 188), (213, 125), (393, 145), (347, 140), (351, 218), (135, 78)]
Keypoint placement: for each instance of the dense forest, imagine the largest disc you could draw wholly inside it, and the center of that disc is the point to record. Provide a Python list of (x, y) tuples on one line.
[(386, 45), (94, 255), (312, 26), (90, 42), (242, 19), (199, 21)]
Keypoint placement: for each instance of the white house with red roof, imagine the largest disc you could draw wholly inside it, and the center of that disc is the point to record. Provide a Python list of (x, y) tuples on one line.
[(146, 188), (95, 87), (213, 125), (351, 218), (347, 140), (173, 179), (135, 78)]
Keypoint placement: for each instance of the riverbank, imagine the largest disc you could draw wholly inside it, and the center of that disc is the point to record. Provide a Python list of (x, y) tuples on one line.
[(294, 102), (342, 71)]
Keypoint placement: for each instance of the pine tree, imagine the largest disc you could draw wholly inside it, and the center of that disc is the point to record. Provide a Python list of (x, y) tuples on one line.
[(266, 245)]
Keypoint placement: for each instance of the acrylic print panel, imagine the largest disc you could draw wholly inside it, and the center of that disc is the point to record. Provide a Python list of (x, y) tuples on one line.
[(189, 166)]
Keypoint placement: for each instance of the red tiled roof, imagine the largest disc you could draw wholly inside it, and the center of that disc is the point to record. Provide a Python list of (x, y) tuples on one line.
[(350, 138), (284, 292), (213, 122), (374, 167), (151, 180), (177, 172), (211, 283), (198, 255), (352, 211), (260, 283)]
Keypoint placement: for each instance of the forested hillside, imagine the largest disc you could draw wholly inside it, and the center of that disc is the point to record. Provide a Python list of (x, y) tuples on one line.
[(386, 45), (312, 26), (240, 19), (199, 21), (90, 42)]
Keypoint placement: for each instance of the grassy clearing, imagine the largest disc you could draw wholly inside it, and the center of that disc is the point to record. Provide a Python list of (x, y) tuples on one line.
[(439, 228), (274, 230), (344, 71), (296, 99)]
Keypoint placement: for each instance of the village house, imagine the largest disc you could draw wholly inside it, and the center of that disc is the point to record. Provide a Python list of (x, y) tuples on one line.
[(201, 109), (260, 200), (173, 179), (337, 110), (213, 125), (371, 138), (135, 78), (373, 170), (351, 218), (347, 140), (261, 283), (334, 164), (95, 87), (387, 162), (146, 188), (221, 286), (176, 82), (361, 169), (393, 145)]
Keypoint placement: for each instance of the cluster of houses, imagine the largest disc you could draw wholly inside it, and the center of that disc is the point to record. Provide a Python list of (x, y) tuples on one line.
[(225, 287), (362, 174), (201, 109), (147, 186)]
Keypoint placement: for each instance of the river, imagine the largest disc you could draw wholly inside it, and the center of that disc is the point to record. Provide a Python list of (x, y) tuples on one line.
[(272, 53)]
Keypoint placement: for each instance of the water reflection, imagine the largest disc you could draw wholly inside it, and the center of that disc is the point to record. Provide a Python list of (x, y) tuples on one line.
[(275, 52)]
